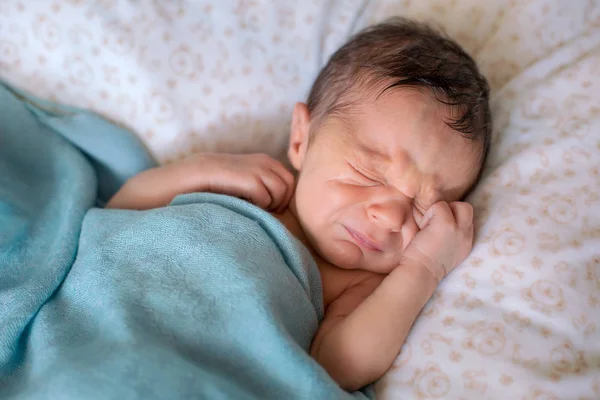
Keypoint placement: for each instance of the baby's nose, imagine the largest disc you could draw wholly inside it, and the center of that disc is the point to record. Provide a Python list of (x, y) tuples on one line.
[(389, 214)]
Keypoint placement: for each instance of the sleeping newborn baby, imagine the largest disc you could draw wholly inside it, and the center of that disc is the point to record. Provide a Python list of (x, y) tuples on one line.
[(393, 135)]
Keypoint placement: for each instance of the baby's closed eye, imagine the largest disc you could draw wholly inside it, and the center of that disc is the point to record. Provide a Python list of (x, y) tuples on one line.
[(366, 176)]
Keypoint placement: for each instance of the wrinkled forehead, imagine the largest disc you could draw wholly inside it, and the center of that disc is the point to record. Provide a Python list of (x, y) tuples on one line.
[(407, 126)]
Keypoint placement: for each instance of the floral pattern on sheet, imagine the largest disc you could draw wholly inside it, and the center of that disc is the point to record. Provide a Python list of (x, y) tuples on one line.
[(184, 75), (521, 317)]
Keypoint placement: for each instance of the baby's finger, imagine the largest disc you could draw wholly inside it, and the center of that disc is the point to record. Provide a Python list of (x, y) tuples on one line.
[(278, 168), (281, 170), (463, 213), (256, 192), (277, 189), (439, 211), (288, 180)]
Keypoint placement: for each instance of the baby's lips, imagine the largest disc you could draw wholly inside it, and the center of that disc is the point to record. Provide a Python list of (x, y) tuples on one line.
[(365, 241)]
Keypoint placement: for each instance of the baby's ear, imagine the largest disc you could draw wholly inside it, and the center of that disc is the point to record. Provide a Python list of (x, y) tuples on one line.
[(299, 135)]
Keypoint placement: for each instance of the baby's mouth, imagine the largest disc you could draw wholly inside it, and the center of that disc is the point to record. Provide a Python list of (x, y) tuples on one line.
[(363, 241)]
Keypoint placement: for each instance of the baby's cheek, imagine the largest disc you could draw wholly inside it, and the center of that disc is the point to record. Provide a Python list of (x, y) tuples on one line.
[(313, 203), (343, 194)]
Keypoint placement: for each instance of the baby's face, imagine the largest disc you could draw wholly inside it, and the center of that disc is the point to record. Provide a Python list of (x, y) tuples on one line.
[(366, 181)]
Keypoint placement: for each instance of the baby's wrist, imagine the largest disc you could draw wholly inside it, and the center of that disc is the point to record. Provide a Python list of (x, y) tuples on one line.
[(416, 276), (427, 267)]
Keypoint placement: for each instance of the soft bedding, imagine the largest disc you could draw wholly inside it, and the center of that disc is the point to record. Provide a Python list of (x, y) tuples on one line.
[(521, 317), (121, 304)]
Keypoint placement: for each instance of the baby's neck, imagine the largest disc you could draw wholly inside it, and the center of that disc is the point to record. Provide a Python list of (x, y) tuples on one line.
[(290, 220)]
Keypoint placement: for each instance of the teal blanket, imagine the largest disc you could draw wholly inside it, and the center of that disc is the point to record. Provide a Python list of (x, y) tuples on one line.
[(208, 298)]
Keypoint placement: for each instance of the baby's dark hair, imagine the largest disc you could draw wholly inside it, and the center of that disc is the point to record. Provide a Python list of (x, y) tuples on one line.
[(404, 53)]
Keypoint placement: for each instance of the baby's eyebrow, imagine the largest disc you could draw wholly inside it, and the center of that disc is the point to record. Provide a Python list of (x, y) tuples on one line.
[(371, 152), (353, 135)]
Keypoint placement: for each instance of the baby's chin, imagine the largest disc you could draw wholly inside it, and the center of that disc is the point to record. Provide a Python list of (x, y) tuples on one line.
[(346, 255)]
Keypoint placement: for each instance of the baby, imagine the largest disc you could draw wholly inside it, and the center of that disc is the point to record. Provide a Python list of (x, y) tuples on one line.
[(394, 134)]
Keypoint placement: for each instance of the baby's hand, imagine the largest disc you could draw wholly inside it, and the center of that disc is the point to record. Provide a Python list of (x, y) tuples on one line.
[(257, 178), (445, 238)]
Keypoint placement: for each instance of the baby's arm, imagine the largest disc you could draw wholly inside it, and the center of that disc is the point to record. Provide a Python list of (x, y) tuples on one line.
[(255, 177), (364, 329)]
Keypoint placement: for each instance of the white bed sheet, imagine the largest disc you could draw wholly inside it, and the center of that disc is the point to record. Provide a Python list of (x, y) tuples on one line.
[(521, 317)]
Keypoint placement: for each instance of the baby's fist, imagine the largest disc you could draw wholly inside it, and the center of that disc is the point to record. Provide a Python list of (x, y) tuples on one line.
[(445, 238)]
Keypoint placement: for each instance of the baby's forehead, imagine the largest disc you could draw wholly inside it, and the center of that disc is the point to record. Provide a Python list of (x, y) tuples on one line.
[(408, 129), (418, 103), (412, 113)]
